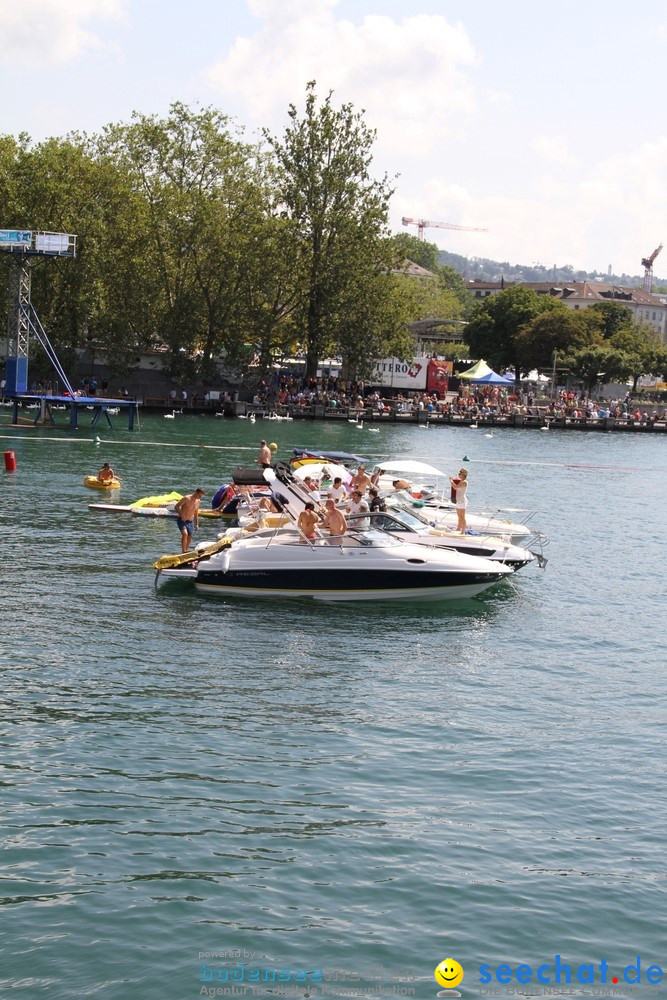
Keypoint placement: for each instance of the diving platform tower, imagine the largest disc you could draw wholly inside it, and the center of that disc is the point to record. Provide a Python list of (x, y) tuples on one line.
[(22, 249)]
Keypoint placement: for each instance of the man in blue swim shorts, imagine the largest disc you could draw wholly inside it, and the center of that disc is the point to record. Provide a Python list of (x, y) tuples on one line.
[(187, 517)]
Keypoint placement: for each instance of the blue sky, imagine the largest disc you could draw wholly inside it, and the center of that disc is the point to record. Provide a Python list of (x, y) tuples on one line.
[(541, 122)]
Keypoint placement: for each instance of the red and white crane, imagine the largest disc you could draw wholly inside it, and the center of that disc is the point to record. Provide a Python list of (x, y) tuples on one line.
[(423, 224), (647, 264)]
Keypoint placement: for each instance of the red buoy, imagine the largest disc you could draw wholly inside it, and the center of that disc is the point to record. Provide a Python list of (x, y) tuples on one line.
[(10, 461)]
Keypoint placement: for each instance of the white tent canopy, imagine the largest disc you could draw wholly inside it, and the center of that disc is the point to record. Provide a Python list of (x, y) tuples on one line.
[(408, 465)]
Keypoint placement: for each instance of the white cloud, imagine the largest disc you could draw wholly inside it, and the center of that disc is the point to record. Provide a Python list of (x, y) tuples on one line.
[(410, 76), (53, 30), (456, 136), (554, 148)]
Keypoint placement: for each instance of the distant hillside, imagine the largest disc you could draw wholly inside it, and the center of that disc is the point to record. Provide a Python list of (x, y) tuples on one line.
[(493, 270)]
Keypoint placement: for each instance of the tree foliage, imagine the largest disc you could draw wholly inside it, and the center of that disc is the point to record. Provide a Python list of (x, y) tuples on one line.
[(497, 322), (420, 252), (559, 329), (336, 215)]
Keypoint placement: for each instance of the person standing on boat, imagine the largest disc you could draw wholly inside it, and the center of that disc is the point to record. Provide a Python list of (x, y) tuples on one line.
[(308, 521), (106, 473), (334, 520), (337, 491), (360, 481), (357, 505), (264, 457), (376, 504), (460, 491), (187, 516)]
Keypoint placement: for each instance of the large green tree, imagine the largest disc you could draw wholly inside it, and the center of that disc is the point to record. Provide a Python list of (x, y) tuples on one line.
[(495, 324), (559, 329), (612, 317), (337, 216), (418, 251), (196, 178)]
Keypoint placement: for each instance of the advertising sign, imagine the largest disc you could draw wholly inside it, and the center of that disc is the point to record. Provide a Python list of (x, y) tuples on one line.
[(397, 374), (52, 242), (15, 238)]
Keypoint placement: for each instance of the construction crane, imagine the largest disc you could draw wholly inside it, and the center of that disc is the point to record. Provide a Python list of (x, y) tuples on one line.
[(647, 264), (423, 224)]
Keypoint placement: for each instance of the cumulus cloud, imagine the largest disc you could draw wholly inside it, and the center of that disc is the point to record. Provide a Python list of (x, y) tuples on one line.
[(410, 76), (53, 30), (555, 148)]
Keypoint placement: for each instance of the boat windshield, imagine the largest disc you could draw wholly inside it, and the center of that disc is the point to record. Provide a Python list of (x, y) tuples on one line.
[(355, 538)]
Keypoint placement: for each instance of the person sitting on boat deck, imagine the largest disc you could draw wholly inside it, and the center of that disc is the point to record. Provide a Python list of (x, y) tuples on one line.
[(375, 478), (376, 503), (401, 484), (264, 457), (334, 520), (337, 491), (106, 473), (222, 497), (274, 503), (187, 516), (357, 505), (307, 522), (360, 481), (313, 487)]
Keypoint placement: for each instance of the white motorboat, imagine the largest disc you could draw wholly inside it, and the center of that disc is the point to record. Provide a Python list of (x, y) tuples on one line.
[(358, 566), (430, 491), (414, 529)]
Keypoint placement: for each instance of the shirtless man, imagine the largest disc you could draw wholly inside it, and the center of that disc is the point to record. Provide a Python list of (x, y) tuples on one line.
[(187, 516), (264, 458), (360, 481), (313, 487), (106, 473), (308, 521), (401, 484), (334, 520)]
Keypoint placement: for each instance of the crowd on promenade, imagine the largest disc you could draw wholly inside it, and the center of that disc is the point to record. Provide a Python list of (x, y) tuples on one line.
[(472, 401)]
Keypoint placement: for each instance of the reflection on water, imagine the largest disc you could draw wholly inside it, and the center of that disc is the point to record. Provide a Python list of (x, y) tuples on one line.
[(325, 785)]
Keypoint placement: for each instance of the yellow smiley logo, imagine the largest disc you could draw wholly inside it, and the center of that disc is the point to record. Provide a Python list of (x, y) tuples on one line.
[(449, 973)]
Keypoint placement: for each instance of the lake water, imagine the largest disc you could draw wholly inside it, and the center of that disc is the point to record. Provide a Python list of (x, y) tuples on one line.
[(328, 787)]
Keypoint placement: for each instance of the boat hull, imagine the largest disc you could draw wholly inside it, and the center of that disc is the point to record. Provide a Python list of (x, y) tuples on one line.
[(373, 585)]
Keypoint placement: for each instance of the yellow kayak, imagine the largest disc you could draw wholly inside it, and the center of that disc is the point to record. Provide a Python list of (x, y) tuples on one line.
[(94, 483)]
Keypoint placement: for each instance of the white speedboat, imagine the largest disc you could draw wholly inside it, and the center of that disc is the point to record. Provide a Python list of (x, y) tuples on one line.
[(416, 530), (358, 566), (430, 491)]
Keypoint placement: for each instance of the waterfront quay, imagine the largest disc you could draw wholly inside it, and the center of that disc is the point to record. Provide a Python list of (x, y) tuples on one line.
[(539, 418)]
